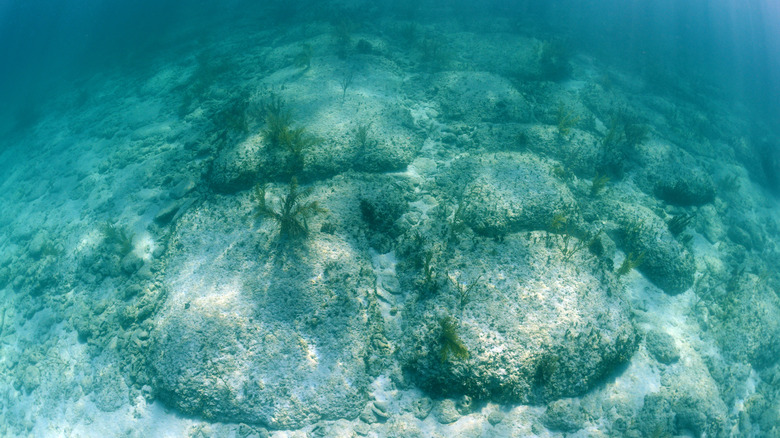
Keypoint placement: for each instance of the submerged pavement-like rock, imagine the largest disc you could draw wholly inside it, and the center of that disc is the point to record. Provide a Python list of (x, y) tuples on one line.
[(534, 327), (512, 192), (258, 331), (665, 261)]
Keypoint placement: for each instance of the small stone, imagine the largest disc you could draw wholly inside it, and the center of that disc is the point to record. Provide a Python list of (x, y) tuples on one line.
[(381, 414), (464, 405), (31, 378), (422, 408), (182, 188), (449, 138), (391, 284), (148, 393), (495, 417), (132, 291), (661, 345), (131, 263), (361, 429), (413, 218), (563, 415), (37, 245), (158, 252), (144, 274), (445, 411), (247, 431), (367, 415), (244, 430), (167, 212)]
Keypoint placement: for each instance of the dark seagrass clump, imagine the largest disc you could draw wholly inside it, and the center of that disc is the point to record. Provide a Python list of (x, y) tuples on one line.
[(290, 212)]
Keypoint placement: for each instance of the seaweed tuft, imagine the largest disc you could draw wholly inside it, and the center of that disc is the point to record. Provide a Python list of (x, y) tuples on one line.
[(277, 120), (117, 238), (292, 211), (281, 135), (561, 234), (625, 133), (632, 261), (565, 120), (599, 182), (679, 223), (451, 344), (302, 59)]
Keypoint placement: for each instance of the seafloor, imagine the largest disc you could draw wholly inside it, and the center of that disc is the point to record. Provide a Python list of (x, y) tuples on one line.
[(388, 230)]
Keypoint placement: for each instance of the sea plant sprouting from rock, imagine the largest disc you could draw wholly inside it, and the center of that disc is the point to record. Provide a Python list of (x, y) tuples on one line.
[(281, 135), (451, 344), (291, 212)]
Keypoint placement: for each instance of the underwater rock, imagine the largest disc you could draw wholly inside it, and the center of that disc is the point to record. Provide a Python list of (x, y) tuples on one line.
[(38, 245), (675, 177), (661, 346), (665, 262), (131, 263), (44, 277), (445, 411), (236, 167), (251, 336), (688, 401), (512, 192), (656, 416), (495, 416), (761, 407), (374, 412), (224, 367), (686, 189), (747, 327), (380, 209), (580, 151), (392, 153), (109, 390), (464, 404), (479, 96), (564, 415), (534, 330), (746, 231), (245, 431), (168, 211), (183, 187), (31, 378), (422, 407)]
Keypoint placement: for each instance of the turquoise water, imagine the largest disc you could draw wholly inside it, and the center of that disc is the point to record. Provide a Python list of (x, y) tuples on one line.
[(401, 219)]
